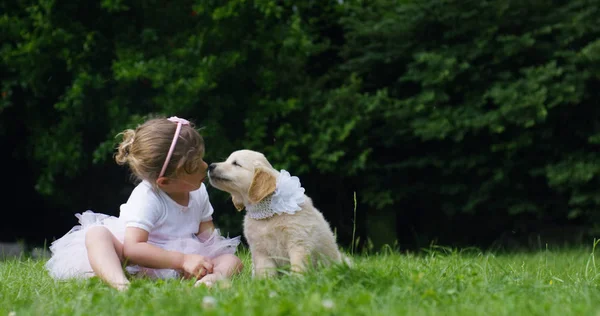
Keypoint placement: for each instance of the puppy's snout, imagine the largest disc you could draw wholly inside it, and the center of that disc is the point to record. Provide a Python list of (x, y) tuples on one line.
[(212, 167)]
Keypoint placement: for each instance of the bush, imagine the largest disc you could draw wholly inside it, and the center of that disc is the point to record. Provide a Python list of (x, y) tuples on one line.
[(448, 119)]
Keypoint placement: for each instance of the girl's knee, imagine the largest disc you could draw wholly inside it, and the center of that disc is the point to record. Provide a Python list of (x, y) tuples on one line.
[(236, 263), (100, 237), (231, 263), (97, 233)]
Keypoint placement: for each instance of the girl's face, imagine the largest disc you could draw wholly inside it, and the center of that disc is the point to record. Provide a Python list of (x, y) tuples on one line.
[(184, 181), (191, 181)]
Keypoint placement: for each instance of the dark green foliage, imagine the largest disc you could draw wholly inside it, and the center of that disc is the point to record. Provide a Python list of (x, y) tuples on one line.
[(438, 112)]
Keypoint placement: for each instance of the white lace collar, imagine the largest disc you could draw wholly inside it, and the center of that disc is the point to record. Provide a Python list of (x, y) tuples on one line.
[(287, 198)]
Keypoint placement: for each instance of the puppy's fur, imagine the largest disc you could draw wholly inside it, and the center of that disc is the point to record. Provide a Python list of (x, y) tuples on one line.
[(281, 240)]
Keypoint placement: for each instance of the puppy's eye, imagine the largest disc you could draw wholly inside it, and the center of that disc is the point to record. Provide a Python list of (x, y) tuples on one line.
[(235, 163)]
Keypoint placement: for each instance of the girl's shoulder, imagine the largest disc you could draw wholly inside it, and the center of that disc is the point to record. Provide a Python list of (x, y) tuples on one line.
[(145, 191), (143, 196), (144, 208)]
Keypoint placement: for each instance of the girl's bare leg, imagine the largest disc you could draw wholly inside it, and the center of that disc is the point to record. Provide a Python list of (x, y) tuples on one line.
[(224, 266), (105, 253)]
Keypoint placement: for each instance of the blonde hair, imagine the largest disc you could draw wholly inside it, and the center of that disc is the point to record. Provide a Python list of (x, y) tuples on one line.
[(145, 149)]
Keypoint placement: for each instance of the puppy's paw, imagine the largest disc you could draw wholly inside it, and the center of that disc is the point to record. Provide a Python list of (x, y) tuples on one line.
[(263, 273), (298, 269), (347, 261)]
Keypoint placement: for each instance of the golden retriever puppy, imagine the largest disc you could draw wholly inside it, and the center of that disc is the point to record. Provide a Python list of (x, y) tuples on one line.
[(281, 225)]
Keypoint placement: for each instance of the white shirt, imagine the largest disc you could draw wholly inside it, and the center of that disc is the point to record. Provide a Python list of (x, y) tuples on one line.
[(164, 219)]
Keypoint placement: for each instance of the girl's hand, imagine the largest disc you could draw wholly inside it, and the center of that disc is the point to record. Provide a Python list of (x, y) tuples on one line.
[(196, 266)]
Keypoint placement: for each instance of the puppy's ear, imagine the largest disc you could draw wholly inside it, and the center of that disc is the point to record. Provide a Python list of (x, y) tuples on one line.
[(238, 205), (263, 184)]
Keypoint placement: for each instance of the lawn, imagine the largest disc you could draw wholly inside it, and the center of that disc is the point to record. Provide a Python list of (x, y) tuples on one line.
[(437, 281)]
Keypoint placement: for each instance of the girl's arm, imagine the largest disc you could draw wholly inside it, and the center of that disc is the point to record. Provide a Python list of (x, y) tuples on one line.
[(207, 227), (137, 250)]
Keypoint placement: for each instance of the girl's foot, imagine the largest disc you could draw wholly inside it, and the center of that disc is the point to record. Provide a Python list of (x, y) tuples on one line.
[(121, 286), (210, 279)]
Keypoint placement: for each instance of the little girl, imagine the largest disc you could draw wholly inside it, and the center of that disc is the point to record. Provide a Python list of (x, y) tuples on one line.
[(165, 229)]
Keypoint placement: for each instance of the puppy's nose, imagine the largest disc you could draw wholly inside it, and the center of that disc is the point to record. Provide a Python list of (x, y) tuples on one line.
[(212, 167)]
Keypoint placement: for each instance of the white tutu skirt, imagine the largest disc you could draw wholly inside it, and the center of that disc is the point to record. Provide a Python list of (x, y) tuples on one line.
[(69, 255)]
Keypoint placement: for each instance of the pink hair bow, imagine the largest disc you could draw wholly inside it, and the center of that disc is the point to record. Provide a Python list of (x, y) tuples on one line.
[(176, 119)]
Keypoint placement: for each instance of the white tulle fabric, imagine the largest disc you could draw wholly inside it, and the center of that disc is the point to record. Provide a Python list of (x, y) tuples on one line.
[(69, 255), (287, 198)]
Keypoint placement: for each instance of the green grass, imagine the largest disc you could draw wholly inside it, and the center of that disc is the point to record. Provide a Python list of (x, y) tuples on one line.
[(436, 282)]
